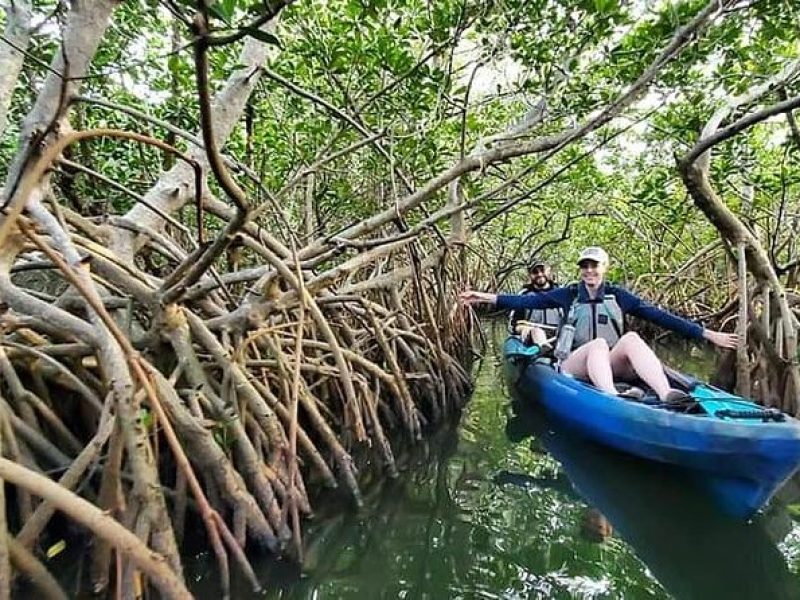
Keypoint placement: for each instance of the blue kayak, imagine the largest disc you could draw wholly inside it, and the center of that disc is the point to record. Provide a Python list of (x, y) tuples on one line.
[(741, 452), (691, 547)]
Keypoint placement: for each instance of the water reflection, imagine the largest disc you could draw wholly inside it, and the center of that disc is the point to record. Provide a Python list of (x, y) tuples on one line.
[(595, 527), (496, 508), (692, 549)]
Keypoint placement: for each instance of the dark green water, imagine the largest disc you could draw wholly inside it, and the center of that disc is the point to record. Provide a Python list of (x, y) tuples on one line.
[(507, 506)]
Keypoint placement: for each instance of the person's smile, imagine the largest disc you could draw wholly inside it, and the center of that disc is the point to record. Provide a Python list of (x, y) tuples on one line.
[(591, 274)]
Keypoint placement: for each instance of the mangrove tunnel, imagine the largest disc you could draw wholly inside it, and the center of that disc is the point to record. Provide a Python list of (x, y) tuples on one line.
[(233, 234)]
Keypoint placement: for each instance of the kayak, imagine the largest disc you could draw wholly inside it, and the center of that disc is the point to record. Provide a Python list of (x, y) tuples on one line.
[(740, 451)]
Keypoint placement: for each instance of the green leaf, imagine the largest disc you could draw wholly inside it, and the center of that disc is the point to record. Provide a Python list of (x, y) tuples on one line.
[(229, 7), (223, 10), (605, 6), (56, 549), (174, 64), (146, 418), (263, 36)]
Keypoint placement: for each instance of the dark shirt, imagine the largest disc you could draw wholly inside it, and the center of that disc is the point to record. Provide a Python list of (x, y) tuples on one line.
[(630, 304)]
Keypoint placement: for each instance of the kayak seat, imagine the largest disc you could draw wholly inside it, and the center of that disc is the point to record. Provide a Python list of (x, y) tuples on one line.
[(680, 380), (684, 404), (629, 391)]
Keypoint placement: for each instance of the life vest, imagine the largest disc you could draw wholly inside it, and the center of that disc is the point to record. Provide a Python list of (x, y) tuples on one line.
[(596, 319), (545, 316), (542, 316)]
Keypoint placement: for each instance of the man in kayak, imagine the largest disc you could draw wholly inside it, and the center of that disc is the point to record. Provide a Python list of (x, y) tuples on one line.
[(601, 349), (526, 323)]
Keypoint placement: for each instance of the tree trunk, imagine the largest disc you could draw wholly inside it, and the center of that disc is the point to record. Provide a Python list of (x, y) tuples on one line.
[(12, 53)]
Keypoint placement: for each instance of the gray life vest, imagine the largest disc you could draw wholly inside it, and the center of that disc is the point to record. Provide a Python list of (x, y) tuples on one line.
[(596, 320), (543, 316)]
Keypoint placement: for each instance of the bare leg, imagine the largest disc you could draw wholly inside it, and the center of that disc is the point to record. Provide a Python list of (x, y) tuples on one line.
[(533, 334), (538, 336), (591, 361), (631, 355)]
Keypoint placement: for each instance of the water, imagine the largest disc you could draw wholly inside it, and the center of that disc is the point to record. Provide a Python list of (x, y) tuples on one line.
[(507, 506)]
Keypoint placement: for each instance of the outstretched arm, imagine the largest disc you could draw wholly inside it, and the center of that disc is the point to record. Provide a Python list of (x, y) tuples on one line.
[(551, 299), (636, 306)]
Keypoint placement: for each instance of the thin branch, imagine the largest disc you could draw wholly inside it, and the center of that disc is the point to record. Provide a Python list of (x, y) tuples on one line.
[(303, 93), (738, 126), (271, 12), (196, 269)]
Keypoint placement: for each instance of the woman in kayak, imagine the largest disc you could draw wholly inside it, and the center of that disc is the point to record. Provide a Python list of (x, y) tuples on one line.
[(601, 350)]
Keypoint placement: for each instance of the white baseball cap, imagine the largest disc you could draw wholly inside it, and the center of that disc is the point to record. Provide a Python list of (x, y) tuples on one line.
[(595, 253)]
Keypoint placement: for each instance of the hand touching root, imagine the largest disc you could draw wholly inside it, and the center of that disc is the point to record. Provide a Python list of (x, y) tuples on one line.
[(722, 339), (471, 298)]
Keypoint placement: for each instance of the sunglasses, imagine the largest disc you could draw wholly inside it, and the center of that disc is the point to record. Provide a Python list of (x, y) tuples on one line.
[(588, 264)]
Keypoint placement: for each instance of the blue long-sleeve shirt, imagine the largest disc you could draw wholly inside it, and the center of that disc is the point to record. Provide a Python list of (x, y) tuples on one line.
[(631, 304)]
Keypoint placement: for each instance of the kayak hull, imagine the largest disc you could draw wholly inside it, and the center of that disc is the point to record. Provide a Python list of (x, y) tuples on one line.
[(742, 463)]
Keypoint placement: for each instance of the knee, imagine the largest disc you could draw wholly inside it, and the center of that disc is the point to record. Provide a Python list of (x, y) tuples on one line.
[(598, 345), (630, 338)]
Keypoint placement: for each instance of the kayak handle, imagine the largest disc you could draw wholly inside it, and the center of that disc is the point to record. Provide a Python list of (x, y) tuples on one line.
[(766, 414)]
